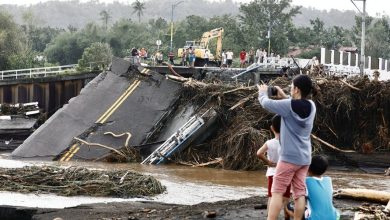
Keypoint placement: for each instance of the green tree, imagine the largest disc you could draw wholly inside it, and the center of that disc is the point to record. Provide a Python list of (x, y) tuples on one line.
[(105, 17), (317, 32), (300, 37), (39, 37), (25, 59), (378, 39), (12, 40), (97, 56), (335, 37), (232, 36), (126, 34), (357, 29), (68, 47), (259, 16), (189, 29), (138, 7)]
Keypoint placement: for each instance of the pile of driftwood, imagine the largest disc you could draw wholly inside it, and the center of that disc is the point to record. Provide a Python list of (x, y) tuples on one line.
[(74, 181), (369, 211), (352, 115)]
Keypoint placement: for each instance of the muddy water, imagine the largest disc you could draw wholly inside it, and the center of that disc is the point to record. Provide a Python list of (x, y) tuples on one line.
[(185, 185)]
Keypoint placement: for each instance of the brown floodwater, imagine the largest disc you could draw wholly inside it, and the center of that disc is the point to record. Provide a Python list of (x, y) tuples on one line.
[(185, 185)]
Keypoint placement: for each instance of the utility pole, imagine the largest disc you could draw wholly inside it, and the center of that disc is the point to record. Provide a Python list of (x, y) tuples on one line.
[(269, 35), (362, 45), (362, 63), (173, 7)]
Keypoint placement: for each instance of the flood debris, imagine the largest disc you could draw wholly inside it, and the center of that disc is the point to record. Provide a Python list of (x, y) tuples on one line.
[(77, 181), (352, 120), (370, 211), (26, 109), (387, 172), (17, 122), (178, 141)]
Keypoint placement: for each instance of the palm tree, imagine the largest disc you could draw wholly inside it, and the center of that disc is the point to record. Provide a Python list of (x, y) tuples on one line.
[(105, 16), (138, 8)]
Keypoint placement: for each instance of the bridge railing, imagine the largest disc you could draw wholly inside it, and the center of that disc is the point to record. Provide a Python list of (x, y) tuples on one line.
[(36, 72), (342, 63)]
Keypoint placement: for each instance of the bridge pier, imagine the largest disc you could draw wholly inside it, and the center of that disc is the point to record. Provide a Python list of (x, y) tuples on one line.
[(50, 93)]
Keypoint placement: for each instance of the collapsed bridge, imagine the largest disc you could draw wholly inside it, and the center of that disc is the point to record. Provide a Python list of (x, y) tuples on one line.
[(122, 107)]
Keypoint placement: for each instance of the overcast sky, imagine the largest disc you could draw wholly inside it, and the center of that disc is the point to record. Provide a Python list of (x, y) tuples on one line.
[(373, 6)]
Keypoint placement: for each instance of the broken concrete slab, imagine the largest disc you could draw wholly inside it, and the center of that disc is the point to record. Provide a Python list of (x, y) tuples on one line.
[(118, 101)]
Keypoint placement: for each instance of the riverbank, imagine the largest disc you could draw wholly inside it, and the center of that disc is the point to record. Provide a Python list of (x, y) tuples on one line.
[(248, 208), (191, 192)]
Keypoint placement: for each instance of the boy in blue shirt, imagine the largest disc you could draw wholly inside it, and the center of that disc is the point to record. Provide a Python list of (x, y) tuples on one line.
[(320, 191)]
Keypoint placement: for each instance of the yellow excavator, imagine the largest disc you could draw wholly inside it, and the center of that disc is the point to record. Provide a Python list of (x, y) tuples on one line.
[(201, 46)]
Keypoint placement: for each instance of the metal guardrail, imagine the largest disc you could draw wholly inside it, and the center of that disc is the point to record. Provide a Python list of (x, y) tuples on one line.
[(36, 72)]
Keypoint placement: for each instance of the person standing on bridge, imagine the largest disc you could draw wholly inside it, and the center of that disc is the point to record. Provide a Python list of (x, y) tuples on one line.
[(171, 56), (259, 55), (251, 54), (265, 61), (134, 55), (184, 57), (297, 113), (159, 57), (142, 54), (223, 57), (206, 57), (229, 58), (191, 53), (242, 58)]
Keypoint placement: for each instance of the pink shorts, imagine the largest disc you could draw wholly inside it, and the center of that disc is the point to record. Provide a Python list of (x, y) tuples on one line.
[(286, 194), (288, 173)]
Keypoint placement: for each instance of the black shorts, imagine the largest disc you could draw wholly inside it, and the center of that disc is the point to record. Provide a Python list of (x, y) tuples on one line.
[(229, 62)]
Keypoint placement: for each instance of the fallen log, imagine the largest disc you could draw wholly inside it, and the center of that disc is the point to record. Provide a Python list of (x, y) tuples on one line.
[(330, 146), (100, 145), (177, 78), (242, 101), (364, 195), (349, 85), (240, 88), (172, 70), (216, 161)]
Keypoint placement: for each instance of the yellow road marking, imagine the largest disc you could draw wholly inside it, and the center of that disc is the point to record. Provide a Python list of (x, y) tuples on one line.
[(145, 71), (116, 102), (69, 151), (73, 153), (119, 103)]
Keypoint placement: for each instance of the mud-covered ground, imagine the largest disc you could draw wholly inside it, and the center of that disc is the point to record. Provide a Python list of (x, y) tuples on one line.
[(249, 208)]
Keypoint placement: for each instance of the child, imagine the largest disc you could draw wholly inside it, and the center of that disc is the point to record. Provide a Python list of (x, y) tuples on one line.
[(272, 147), (320, 191), (297, 113)]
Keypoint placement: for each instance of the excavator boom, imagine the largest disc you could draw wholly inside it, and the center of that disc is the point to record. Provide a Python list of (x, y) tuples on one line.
[(207, 36), (201, 46)]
